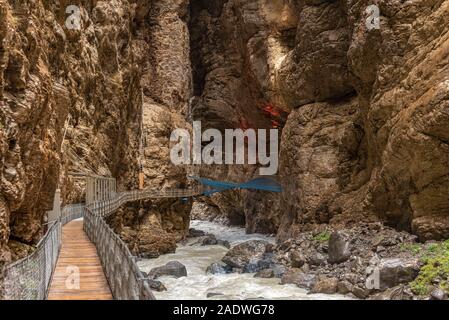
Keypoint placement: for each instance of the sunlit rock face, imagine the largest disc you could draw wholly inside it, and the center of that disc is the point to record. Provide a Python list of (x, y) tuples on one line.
[(94, 85), (384, 155), (56, 80)]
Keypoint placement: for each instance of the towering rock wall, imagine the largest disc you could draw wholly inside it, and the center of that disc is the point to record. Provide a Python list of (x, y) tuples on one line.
[(161, 43), (56, 79), (366, 136), (92, 85), (373, 144)]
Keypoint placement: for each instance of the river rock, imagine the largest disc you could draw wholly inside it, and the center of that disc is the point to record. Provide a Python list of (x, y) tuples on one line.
[(396, 293), (266, 273), (172, 268), (395, 271), (194, 233), (209, 240), (156, 285), (325, 285), (338, 248), (224, 243), (213, 294), (317, 259), (360, 292), (344, 287), (302, 280), (279, 270), (438, 294), (297, 259), (246, 254), (216, 268)]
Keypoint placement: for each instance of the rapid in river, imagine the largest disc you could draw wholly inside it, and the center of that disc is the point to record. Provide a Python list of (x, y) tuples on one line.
[(235, 286)]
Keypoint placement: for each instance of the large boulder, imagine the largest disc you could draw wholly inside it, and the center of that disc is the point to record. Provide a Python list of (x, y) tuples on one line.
[(245, 254), (438, 294), (339, 250), (395, 271), (172, 268)]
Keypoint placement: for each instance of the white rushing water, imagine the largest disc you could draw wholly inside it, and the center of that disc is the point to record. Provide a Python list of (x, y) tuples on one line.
[(197, 285)]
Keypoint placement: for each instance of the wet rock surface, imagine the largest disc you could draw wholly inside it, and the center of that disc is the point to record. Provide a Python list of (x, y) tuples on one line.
[(247, 256), (172, 268), (365, 272), (217, 268)]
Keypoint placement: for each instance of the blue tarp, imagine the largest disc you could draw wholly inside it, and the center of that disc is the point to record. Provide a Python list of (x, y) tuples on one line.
[(265, 184)]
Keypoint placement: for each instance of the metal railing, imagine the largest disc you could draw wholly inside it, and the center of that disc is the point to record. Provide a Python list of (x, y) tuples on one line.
[(30, 277), (72, 212), (125, 279), (107, 207), (124, 276)]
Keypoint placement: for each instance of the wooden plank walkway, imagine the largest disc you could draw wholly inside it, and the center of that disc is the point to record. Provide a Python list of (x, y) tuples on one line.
[(78, 251)]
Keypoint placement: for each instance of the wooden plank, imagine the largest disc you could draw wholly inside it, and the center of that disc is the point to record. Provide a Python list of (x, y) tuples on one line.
[(78, 251)]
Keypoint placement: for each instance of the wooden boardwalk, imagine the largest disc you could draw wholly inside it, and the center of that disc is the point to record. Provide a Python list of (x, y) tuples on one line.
[(78, 252)]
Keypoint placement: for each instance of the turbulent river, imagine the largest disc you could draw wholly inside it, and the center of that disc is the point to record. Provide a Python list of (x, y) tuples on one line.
[(198, 285)]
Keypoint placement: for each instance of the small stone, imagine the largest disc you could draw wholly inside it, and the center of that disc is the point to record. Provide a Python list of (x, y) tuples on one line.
[(344, 287), (297, 259), (194, 233), (267, 273), (438, 294), (317, 259), (302, 280), (338, 248), (216, 268), (360, 293), (209, 240), (172, 268), (278, 270)]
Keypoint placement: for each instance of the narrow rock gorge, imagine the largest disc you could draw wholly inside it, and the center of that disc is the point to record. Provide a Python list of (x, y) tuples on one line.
[(363, 115)]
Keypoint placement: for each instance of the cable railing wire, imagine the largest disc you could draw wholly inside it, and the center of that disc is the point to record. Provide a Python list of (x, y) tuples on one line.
[(30, 278)]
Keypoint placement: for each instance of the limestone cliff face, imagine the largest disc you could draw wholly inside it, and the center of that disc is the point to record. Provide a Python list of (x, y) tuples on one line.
[(94, 85), (236, 47), (55, 79), (366, 136), (162, 48), (377, 147)]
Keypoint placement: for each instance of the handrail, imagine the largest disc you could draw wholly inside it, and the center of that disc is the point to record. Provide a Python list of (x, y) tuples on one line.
[(125, 279), (124, 276), (29, 278)]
